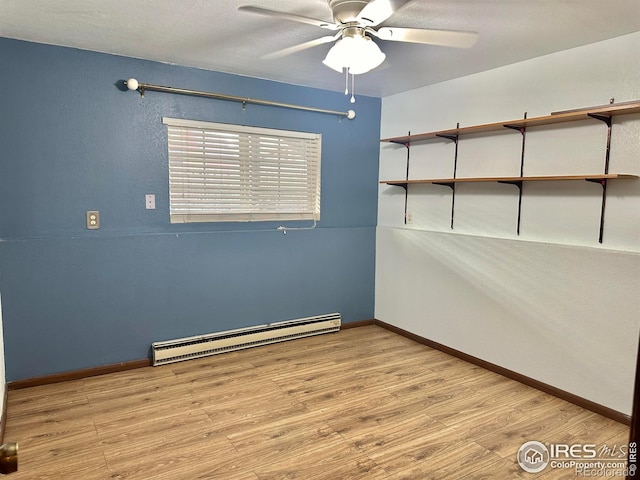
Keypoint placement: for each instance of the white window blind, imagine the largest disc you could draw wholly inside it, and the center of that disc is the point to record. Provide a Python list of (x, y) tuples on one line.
[(226, 173)]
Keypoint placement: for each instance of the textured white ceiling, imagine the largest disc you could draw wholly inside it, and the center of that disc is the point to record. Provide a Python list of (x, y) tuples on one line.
[(212, 34)]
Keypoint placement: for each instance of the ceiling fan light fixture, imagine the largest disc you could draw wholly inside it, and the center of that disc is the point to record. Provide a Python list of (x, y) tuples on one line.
[(357, 53), (336, 57)]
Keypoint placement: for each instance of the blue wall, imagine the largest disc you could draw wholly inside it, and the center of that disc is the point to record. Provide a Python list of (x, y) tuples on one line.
[(71, 141)]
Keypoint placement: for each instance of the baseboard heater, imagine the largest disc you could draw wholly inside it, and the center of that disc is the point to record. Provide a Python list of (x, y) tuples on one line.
[(211, 344)]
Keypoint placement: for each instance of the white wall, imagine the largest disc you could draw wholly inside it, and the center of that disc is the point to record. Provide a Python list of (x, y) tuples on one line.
[(552, 303)]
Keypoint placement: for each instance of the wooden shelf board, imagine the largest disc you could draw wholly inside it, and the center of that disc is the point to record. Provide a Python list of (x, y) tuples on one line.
[(573, 116), (611, 107), (542, 178)]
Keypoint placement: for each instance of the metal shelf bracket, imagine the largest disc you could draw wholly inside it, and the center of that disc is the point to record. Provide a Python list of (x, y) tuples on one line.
[(453, 138), (517, 183), (603, 118)]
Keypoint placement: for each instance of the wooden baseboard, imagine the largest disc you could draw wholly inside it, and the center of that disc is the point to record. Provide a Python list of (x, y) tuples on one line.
[(359, 323), (3, 418), (78, 374), (531, 382)]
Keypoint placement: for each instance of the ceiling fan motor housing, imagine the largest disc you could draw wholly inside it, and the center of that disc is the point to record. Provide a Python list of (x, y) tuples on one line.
[(345, 11)]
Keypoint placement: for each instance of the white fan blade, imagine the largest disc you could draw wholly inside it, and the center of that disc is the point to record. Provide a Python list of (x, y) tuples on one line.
[(288, 16), (301, 46), (377, 11), (445, 38)]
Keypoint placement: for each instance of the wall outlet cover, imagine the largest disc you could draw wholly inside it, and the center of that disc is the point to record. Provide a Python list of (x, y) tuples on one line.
[(93, 219)]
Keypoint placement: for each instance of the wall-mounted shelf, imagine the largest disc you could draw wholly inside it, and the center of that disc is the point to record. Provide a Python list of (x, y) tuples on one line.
[(600, 113), (544, 178), (560, 117)]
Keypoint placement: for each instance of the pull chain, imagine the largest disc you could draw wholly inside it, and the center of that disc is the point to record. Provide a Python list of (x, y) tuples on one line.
[(346, 85), (353, 88), (346, 81)]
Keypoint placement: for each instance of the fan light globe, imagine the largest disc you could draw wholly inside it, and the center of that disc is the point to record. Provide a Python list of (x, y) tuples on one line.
[(359, 54), (335, 58)]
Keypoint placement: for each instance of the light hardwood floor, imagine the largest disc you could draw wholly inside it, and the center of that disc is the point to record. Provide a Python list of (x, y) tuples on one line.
[(364, 403)]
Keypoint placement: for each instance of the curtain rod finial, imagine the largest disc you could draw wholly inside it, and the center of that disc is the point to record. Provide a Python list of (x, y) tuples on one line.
[(132, 84)]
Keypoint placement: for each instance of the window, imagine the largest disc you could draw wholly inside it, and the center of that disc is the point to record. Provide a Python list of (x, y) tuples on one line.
[(232, 173)]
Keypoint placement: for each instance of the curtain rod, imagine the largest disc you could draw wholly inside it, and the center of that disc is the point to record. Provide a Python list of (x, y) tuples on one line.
[(133, 84)]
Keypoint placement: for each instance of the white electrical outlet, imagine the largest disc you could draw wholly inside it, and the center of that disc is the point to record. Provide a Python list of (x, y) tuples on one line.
[(93, 219), (150, 201)]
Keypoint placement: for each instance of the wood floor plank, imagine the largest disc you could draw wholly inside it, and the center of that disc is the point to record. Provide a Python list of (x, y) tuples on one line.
[(462, 460), (550, 427), (129, 380), (421, 448), (288, 445), (375, 442), (363, 403), (141, 409), (212, 456), (278, 430), (504, 469), (337, 461), (127, 441), (57, 397), (324, 463), (412, 473), (385, 418), (231, 418)]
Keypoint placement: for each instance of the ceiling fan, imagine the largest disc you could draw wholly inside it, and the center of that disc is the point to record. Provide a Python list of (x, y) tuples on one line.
[(354, 22)]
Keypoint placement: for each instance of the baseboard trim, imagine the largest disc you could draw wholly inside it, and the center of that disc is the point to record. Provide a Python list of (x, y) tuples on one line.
[(78, 374), (531, 382), (359, 323), (3, 419)]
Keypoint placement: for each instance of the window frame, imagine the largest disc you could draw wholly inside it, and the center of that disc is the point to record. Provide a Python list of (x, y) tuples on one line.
[(277, 176)]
